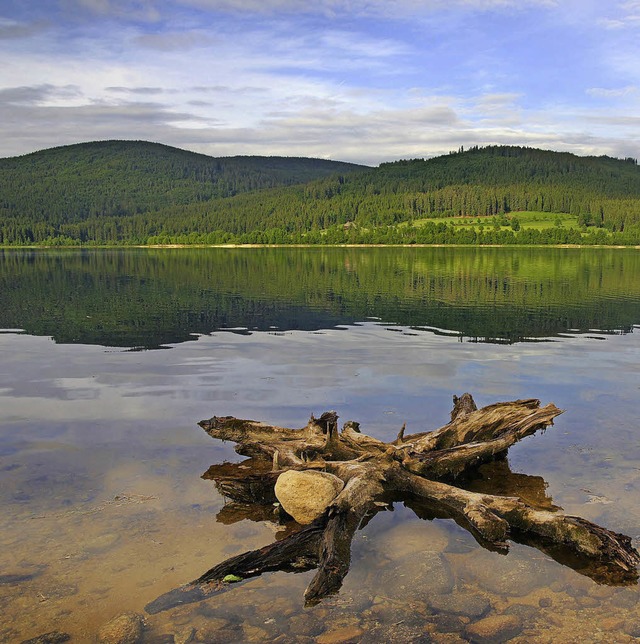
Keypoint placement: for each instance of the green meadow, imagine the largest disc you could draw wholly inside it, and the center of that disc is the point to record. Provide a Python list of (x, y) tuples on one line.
[(525, 220)]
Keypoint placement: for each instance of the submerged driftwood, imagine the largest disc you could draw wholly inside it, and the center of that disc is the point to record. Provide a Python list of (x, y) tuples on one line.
[(420, 469)]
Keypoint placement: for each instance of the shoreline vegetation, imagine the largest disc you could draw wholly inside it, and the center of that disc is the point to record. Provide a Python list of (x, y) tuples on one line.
[(524, 229), (135, 193), (257, 246), (529, 229), (249, 246)]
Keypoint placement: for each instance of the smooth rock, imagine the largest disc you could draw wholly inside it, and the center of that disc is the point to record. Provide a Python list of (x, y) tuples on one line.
[(448, 623), (626, 598), (525, 612), (588, 602), (123, 629), (410, 537), (218, 636), (182, 616), (341, 635), (611, 624), (554, 620), (305, 625), (256, 634), (388, 613), (495, 628), (558, 587), (306, 495), (507, 575), (632, 627), (467, 604), (575, 591), (445, 638), (602, 592), (416, 575), (184, 635)]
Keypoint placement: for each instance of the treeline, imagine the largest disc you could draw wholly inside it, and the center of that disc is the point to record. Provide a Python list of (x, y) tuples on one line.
[(427, 233), (343, 204)]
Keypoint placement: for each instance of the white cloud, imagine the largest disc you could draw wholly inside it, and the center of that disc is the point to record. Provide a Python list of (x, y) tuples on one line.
[(181, 41), (45, 94), (12, 29), (389, 8), (139, 90), (622, 15), (628, 22), (139, 10), (616, 92), (403, 10), (632, 7)]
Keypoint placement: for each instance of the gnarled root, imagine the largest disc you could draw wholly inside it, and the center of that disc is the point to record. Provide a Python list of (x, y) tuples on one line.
[(414, 466)]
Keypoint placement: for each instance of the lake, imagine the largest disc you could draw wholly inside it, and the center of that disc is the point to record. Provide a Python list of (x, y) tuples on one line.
[(109, 358)]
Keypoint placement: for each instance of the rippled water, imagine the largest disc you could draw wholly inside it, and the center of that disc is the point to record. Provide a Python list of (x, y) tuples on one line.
[(103, 504)]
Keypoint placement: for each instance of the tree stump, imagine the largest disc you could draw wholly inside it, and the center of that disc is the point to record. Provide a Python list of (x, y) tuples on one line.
[(418, 468)]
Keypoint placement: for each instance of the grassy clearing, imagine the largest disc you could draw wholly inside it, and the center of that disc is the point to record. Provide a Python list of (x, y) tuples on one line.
[(536, 220)]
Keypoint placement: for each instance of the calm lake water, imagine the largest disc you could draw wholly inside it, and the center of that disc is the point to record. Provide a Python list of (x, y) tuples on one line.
[(109, 358)]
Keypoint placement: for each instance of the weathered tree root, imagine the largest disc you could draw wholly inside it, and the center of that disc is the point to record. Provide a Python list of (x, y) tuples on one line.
[(420, 466)]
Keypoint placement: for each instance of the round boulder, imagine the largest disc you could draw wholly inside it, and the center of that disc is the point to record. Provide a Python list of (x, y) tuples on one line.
[(123, 629), (306, 495), (495, 628)]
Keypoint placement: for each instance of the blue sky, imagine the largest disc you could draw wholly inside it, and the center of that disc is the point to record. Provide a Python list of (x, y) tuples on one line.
[(356, 80)]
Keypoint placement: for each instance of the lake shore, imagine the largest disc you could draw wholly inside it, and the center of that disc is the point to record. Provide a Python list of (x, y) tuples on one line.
[(115, 246)]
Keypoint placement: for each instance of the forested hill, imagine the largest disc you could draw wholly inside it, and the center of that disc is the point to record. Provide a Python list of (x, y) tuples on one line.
[(122, 178), (117, 192), (496, 166)]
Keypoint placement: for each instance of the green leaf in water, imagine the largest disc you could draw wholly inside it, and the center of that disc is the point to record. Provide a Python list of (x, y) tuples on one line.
[(230, 579)]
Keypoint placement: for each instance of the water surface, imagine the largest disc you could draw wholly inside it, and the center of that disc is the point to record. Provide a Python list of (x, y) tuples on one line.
[(103, 504)]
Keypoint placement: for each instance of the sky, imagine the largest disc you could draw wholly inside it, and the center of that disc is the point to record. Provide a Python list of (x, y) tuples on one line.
[(365, 81)]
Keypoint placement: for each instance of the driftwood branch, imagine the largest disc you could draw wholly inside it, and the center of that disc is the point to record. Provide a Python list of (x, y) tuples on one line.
[(424, 467)]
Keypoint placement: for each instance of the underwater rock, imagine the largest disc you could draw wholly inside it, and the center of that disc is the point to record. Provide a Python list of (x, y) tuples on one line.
[(124, 629), (632, 627), (495, 628), (417, 574), (466, 604), (507, 575), (341, 635), (447, 623), (525, 612), (411, 537), (184, 635), (304, 624)]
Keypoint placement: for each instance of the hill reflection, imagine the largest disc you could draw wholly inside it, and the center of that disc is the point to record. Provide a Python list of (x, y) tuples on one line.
[(147, 298)]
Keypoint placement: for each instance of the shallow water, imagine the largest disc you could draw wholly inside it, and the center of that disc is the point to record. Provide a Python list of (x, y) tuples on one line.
[(103, 504)]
